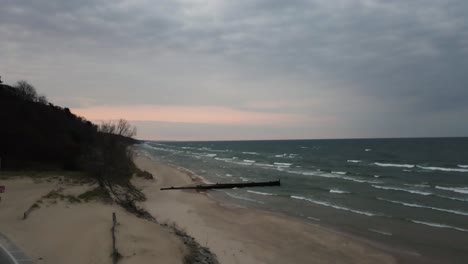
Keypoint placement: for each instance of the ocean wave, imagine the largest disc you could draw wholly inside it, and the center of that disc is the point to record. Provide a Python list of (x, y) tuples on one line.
[(210, 155), (354, 161), (250, 153), (439, 225), (265, 165), (261, 193), (339, 172), (463, 166), (313, 218), (380, 232), (463, 190), (282, 164), (228, 175), (243, 198), (332, 205), (332, 175), (338, 191), (394, 165), (452, 198), (401, 190), (422, 185), (244, 179), (426, 207), (368, 149), (249, 161), (442, 169)]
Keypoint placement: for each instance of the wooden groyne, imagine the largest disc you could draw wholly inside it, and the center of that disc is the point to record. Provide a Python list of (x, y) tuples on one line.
[(224, 185)]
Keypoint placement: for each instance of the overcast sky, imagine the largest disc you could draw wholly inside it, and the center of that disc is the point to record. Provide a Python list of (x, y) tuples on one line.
[(247, 69)]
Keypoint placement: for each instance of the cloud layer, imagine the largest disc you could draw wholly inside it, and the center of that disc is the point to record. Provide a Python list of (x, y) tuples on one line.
[(375, 68)]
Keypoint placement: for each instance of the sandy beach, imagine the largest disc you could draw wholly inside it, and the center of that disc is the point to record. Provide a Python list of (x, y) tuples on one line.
[(244, 235), (63, 232)]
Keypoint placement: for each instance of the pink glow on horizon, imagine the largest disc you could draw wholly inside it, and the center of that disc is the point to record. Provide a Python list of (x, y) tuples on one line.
[(187, 114)]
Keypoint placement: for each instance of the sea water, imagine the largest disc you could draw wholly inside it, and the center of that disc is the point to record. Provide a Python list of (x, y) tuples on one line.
[(410, 194)]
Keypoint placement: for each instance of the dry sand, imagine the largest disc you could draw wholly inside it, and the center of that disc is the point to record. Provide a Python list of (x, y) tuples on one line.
[(242, 235), (79, 233)]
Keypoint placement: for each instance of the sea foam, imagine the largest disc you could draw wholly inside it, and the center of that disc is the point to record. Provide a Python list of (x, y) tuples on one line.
[(394, 165), (442, 169), (426, 207), (380, 232), (332, 205), (463, 190), (261, 193), (439, 225), (401, 190)]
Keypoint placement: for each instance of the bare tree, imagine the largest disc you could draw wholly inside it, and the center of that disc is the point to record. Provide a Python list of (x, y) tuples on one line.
[(26, 90), (119, 127)]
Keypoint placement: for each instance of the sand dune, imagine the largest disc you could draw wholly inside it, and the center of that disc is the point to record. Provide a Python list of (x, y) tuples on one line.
[(80, 233)]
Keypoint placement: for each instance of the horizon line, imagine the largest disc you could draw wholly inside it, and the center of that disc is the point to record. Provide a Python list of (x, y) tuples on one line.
[(363, 138)]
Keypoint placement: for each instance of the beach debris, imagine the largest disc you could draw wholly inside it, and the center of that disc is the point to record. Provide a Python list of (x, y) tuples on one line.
[(224, 185)]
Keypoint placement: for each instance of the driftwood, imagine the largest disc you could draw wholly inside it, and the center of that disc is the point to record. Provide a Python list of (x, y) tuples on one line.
[(225, 185)]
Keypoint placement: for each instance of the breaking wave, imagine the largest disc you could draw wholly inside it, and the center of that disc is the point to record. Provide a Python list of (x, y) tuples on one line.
[(401, 190), (394, 165), (442, 169), (440, 225), (426, 207), (333, 205), (463, 190), (261, 193)]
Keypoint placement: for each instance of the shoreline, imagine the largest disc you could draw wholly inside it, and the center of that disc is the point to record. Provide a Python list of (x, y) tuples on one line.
[(251, 236)]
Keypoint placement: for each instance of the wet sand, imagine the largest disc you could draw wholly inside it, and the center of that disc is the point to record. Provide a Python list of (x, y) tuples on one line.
[(245, 235)]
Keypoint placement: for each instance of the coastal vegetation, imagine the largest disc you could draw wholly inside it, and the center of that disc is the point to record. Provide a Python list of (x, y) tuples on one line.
[(37, 135)]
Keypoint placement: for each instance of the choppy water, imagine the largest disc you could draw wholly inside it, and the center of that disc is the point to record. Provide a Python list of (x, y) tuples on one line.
[(408, 193)]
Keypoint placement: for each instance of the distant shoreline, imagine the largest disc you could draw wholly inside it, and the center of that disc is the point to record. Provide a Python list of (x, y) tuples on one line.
[(213, 219)]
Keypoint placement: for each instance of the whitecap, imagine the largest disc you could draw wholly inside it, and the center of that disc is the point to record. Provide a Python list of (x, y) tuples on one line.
[(282, 164), (250, 153), (463, 166), (338, 191), (339, 172), (261, 193), (439, 225), (249, 161), (443, 169), (422, 185), (426, 207), (243, 198), (368, 149), (401, 189), (228, 175), (394, 165), (380, 232), (265, 165), (313, 218), (332, 205), (463, 190), (354, 161)]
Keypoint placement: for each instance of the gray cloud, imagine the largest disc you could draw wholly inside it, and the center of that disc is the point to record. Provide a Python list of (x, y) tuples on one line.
[(360, 61)]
